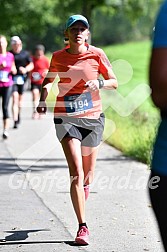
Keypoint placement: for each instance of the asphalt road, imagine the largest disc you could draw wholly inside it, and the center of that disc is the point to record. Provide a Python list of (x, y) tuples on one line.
[(36, 211)]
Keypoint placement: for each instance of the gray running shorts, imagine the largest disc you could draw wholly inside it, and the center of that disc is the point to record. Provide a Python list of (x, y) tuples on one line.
[(88, 131)]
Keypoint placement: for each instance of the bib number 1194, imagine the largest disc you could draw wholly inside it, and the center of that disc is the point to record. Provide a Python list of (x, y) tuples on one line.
[(79, 104), (76, 104)]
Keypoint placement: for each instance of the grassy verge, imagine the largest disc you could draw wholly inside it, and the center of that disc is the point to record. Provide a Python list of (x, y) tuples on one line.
[(133, 135), (134, 132)]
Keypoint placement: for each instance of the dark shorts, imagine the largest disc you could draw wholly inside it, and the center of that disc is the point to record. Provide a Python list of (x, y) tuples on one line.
[(36, 86), (18, 88), (88, 131)]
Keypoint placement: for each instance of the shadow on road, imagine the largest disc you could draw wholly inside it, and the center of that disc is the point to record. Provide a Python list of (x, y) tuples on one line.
[(10, 165), (19, 237)]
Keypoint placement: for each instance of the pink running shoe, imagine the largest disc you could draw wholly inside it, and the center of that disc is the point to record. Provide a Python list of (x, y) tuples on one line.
[(86, 191), (82, 236), (35, 115)]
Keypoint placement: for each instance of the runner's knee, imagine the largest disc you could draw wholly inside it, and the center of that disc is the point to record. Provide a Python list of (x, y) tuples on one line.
[(77, 177)]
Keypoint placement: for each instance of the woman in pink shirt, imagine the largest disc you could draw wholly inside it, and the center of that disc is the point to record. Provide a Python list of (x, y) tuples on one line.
[(7, 68)]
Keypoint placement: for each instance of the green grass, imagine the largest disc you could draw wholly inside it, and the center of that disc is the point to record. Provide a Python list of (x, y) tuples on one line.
[(131, 132), (134, 132)]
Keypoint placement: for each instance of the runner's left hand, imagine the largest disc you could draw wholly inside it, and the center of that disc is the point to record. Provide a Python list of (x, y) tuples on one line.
[(92, 85)]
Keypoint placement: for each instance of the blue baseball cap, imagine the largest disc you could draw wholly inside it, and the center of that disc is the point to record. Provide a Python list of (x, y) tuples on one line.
[(74, 18)]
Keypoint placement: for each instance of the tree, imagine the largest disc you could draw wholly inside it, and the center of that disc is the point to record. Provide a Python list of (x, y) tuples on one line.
[(17, 17), (44, 20), (84, 7)]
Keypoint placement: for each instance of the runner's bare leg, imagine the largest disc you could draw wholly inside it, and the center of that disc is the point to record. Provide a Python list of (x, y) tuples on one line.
[(89, 156), (15, 107), (72, 151)]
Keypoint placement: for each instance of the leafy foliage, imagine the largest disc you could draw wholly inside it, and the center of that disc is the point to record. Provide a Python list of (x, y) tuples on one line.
[(33, 15), (43, 21)]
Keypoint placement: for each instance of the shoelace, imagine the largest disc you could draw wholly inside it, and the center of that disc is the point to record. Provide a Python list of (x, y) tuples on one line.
[(82, 231)]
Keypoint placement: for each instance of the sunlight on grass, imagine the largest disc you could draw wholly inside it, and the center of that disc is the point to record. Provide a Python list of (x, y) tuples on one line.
[(134, 134)]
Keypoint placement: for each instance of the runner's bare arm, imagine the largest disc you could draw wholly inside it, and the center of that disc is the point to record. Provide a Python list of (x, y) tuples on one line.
[(46, 86), (26, 69), (109, 82), (13, 68)]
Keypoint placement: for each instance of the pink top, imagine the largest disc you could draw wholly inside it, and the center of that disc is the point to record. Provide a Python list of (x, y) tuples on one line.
[(5, 72)]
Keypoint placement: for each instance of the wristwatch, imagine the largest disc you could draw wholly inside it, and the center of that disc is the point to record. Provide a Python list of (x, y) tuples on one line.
[(101, 83)]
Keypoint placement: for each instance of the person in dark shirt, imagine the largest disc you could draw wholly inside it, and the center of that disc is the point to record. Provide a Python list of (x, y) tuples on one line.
[(158, 84), (24, 65)]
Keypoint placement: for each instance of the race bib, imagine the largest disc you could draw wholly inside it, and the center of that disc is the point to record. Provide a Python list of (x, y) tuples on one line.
[(18, 79), (36, 76), (78, 104), (4, 76)]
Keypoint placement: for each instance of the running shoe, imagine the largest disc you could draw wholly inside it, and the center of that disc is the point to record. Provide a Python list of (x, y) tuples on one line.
[(86, 191), (15, 126), (35, 116), (19, 120), (82, 237), (5, 134)]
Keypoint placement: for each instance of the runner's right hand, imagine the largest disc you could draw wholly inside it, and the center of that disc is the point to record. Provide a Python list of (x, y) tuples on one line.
[(42, 107)]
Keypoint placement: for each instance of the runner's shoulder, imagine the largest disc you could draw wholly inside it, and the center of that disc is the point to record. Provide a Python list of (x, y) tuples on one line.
[(59, 52), (25, 53), (10, 54), (96, 50)]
